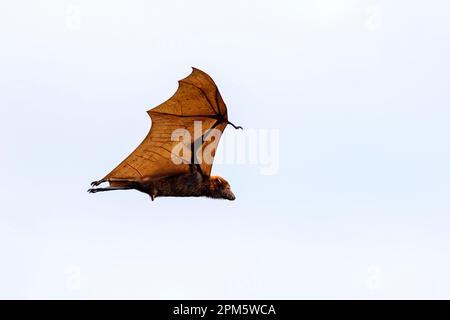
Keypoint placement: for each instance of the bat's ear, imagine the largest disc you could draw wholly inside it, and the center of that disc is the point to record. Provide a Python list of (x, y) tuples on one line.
[(218, 181)]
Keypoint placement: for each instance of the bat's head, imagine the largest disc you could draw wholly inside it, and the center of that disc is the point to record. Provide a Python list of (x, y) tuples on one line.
[(220, 188)]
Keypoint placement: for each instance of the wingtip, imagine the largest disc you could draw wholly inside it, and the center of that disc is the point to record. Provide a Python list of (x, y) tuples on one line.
[(194, 69)]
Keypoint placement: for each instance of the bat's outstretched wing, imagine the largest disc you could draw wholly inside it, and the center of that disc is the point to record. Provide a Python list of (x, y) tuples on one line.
[(196, 99)]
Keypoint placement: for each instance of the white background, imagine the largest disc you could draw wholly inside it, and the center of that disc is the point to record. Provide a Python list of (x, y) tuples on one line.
[(359, 91)]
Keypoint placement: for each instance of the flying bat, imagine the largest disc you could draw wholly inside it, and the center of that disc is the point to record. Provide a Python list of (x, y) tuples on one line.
[(175, 158)]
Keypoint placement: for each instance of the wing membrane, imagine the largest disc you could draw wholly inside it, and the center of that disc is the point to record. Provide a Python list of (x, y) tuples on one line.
[(196, 99)]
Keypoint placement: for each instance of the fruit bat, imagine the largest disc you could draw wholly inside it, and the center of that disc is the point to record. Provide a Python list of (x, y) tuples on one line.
[(175, 158)]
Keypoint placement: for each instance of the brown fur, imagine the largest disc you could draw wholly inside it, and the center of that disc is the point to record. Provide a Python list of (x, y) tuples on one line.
[(185, 185)]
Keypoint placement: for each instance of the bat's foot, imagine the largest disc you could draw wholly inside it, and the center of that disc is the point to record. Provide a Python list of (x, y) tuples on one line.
[(92, 190), (96, 183)]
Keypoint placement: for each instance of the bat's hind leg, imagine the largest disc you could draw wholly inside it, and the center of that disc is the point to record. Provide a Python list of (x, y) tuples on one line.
[(95, 190), (127, 185), (99, 182)]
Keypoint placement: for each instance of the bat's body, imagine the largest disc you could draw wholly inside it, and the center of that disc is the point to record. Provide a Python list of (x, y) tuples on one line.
[(156, 167), (182, 185)]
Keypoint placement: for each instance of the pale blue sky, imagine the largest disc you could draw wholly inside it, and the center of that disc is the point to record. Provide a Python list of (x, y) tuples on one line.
[(359, 91)]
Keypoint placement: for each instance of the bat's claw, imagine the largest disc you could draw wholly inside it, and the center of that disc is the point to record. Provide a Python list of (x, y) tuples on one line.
[(95, 183), (92, 190), (235, 126)]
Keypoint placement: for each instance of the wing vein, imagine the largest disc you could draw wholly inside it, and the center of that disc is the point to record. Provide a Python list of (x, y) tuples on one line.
[(128, 164), (204, 95)]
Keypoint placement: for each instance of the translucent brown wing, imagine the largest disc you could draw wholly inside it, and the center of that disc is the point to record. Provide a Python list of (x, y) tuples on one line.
[(196, 99)]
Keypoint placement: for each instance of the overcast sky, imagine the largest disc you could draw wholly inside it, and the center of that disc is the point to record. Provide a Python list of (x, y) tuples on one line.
[(353, 97)]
